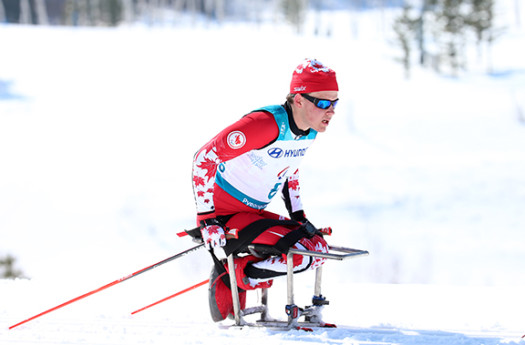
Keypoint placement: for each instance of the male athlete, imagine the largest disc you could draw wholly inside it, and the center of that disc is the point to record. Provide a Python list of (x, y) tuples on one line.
[(238, 173)]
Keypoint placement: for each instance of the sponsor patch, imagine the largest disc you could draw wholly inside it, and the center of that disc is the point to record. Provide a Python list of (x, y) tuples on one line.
[(295, 153), (236, 139), (283, 173), (275, 152)]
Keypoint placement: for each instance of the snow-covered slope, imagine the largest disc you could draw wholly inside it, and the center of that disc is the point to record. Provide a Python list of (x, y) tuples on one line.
[(365, 314), (97, 132)]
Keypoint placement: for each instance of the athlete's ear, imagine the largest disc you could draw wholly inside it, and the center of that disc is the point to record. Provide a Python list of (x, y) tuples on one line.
[(298, 100)]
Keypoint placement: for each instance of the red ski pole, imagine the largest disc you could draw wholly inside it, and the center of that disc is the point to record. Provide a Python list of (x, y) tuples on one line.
[(174, 295), (111, 284)]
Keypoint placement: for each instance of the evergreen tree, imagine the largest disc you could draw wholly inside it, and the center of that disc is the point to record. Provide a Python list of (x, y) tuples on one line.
[(295, 12), (445, 25), (11, 11), (404, 28), (2, 13), (112, 11), (481, 20), (450, 21), (7, 266)]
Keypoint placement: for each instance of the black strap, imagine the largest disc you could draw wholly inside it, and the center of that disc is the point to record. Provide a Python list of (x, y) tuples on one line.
[(250, 233), (291, 238)]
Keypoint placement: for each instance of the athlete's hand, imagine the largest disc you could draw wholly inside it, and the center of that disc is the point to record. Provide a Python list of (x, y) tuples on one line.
[(325, 231), (308, 227), (212, 233)]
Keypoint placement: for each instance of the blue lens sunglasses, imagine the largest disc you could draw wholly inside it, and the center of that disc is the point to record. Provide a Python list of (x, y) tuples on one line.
[(320, 103)]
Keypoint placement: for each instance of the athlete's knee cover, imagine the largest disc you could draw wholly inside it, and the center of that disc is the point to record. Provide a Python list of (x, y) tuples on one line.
[(263, 269), (243, 283), (315, 244), (277, 265)]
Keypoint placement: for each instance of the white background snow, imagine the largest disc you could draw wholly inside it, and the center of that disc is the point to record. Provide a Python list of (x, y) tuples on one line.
[(98, 128)]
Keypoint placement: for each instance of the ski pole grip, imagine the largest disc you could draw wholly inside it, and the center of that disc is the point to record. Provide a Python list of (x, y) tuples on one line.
[(326, 231), (194, 233)]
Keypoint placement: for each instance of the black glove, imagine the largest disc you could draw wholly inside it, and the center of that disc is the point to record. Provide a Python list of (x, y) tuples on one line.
[(309, 229)]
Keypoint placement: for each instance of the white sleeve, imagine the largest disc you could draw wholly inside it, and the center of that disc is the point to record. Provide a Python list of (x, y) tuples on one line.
[(204, 169)]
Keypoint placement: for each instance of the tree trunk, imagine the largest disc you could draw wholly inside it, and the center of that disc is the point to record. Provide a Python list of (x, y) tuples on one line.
[(41, 12), (128, 11), (96, 16), (25, 12), (2, 13)]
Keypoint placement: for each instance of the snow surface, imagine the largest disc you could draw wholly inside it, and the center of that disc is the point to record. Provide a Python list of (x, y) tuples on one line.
[(97, 132)]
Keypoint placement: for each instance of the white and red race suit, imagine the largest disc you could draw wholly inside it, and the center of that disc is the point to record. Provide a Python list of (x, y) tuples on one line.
[(246, 165)]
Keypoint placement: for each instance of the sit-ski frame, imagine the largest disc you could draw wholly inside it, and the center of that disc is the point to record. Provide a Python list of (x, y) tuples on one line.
[(312, 314)]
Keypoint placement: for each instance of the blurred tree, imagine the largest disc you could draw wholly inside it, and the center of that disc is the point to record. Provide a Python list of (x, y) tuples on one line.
[(25, 12), (54, 9), (41, 12), (481, 20), (421, 28), (12, 10), (7, 266), (442, 31), (92, 12), (214, 9), (295, 12), (128, 11), (20, 11), (2, 13), (72, 13), (405, 28), (111, 12), (450, 32)]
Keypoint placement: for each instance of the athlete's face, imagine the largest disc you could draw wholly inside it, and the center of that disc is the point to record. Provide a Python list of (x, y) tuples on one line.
[(311, 116)]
